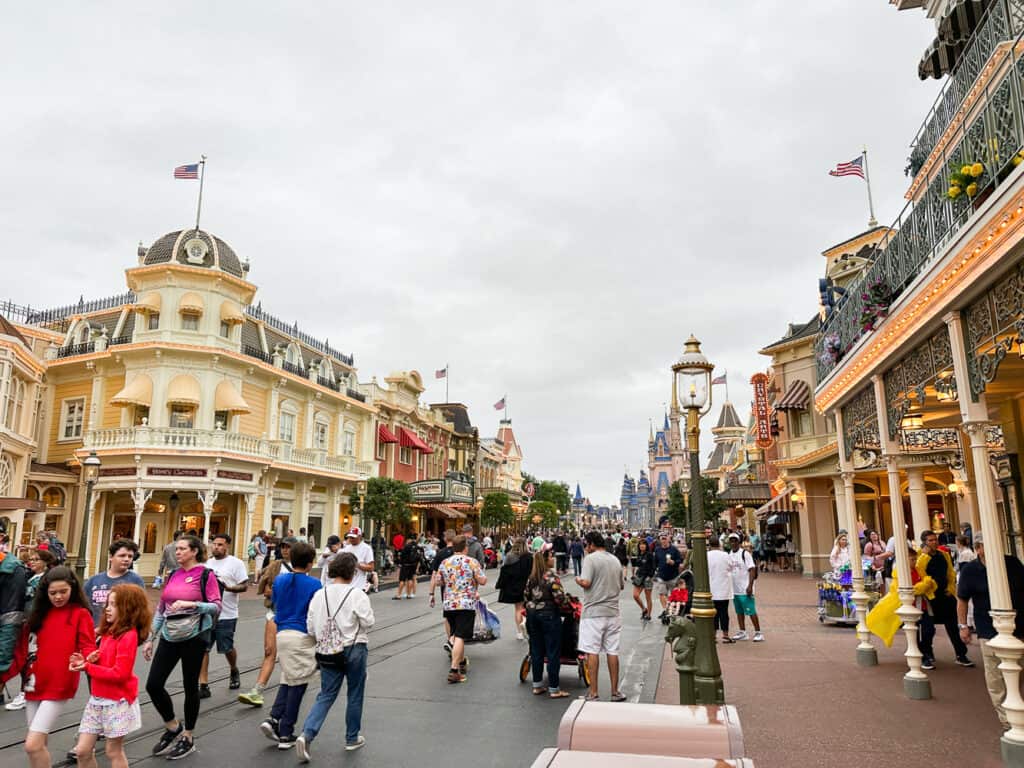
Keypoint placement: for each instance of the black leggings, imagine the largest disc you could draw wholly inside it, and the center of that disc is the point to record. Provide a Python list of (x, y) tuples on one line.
[(166, 658), (722, 616)]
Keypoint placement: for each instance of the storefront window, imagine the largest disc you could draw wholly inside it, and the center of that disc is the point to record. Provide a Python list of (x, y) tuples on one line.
[(149, 539), (124, 527)]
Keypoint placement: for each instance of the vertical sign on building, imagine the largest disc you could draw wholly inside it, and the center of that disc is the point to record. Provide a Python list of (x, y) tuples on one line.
[(761, 419)]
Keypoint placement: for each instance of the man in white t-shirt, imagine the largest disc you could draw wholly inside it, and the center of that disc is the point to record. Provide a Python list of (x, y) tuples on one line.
[(330, 552), (232, 573), (743, 575), (720, 576), (364, 557)]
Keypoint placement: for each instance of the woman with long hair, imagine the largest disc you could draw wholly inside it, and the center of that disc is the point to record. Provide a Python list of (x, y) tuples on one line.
[(840, 554), (544, 597), (184, 617), (113, 708), (515, 570), (875, 549), (59, 626), (643, 577)]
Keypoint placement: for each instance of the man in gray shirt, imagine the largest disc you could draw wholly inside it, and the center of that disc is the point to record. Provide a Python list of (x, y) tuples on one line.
[(601, 624)]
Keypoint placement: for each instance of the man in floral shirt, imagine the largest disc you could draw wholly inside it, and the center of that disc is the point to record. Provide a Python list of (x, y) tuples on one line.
[(460, 576)]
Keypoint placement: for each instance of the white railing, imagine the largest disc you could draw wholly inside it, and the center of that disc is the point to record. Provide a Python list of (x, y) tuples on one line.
[(201, 440)]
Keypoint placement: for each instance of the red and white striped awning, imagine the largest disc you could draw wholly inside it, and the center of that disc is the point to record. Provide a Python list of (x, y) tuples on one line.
[(409, 439), (385, 435)]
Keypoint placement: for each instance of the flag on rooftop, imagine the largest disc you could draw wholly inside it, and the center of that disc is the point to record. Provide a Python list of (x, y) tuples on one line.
[(441, 373), (187, 171), (853, 168), (718, 380), (500, 405)]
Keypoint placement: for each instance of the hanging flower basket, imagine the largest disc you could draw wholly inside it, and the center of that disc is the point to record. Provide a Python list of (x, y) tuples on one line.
[(876, 305), (966, 180)]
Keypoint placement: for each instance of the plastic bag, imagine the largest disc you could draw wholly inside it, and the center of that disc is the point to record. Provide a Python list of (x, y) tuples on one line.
[(487, 626)]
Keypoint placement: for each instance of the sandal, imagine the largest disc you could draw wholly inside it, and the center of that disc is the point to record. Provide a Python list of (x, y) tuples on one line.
[(728, 640), (558, 694), (539, 691), (590, 697), (620, 696)]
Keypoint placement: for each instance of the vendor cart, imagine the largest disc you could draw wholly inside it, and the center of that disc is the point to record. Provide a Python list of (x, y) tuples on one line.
[(835, 597)]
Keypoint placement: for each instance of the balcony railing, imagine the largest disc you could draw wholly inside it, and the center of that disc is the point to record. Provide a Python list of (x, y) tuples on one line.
[(1003, 21), (355, 395), (71, 350), (258, 313), (991, 133), (31, 316), (292, 368), (323, 381), (218, 440), (121, 340)]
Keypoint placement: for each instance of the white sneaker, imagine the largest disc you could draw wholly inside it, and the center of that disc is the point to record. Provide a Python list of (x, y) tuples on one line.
[(18, 702), (519, 635), (758, 637), (354, 745), (740, 636), (302, 749)]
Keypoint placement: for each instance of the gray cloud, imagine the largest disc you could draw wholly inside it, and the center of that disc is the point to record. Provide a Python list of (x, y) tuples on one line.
[(549, 196)]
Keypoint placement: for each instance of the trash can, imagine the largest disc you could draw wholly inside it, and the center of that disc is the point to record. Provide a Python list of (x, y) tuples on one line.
[(652, 729)]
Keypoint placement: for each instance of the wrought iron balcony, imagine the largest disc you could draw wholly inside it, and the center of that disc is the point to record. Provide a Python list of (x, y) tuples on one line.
[(926, 439), (292, 368), (258, 313), (71, 350), (355, 395), (991, 132), (323, 381), (258, 353)]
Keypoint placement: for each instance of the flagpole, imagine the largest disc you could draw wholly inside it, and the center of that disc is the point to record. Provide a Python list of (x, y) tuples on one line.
[(202, 174), (872, 222), (727, 385), (447, 376)]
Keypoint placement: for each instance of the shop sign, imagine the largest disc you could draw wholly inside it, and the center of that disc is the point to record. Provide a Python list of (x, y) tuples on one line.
[(117, 471), (427, 489), (228, 474), (529, 490), (762, 420), (460, 490), (175, 472)]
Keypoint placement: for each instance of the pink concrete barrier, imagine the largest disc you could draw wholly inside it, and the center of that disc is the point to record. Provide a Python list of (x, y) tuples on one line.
[(560, 758), (652, 729)]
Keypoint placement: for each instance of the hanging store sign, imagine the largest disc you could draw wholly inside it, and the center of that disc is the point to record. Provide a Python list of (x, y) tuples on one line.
[(175, 472), (227, 474), (762, 420), (429, 489), (117, 471)]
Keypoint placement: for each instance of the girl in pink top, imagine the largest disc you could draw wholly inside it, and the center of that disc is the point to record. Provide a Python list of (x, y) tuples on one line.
[(113, 708)]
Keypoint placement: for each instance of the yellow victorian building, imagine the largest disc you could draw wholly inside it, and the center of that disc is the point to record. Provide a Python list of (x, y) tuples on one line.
[(207, 412)]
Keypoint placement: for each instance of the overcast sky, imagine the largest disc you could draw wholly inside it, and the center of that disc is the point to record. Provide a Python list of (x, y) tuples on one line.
[(549, 196)]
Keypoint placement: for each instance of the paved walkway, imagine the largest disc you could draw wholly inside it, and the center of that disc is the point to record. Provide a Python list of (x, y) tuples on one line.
[(805, 703)]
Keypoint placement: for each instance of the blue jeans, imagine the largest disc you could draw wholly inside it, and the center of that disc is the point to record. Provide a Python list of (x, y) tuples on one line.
[(330, 686), (286, 707), (545, 641)]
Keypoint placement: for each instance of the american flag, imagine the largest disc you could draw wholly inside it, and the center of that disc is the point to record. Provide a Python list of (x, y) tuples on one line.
[(718, 380), (187, 171), (441, 373), (500, 405), (853, 168)]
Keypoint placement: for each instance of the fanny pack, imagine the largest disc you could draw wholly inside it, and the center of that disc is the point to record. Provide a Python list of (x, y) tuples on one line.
[(182, 626)]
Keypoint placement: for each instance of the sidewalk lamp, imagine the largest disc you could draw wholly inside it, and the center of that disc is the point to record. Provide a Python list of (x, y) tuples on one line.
[(691, 391), (91, 471)]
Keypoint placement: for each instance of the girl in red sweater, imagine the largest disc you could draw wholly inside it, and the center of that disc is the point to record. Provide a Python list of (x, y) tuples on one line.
[(113, 708), (59, 626)]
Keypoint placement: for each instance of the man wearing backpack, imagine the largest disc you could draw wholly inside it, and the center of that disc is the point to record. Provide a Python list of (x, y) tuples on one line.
[(233, 579), (744, 574)]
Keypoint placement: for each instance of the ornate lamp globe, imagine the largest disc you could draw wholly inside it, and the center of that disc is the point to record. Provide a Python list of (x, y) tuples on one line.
[(693, 377)]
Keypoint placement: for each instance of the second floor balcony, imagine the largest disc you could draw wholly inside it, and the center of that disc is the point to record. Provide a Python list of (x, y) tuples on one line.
[(211, 441)]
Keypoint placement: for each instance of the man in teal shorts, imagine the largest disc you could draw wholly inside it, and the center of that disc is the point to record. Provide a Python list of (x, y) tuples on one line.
[(743, 576)]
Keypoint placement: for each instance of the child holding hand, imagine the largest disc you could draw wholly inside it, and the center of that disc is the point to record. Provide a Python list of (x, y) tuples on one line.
[(113, 708)]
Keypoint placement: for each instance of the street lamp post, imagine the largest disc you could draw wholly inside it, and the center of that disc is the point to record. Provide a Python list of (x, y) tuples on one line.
[(91, 466), (691, 389)]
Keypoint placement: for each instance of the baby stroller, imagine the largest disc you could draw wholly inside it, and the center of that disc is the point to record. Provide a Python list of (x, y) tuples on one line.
[(570, 653), (490, 558), (679, 598)]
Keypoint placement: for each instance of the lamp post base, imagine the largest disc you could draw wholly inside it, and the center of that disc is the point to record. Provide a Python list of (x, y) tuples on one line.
[(1012, 752), (916, 688), (867, 657)]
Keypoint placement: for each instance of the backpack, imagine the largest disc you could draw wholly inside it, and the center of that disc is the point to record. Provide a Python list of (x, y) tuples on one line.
[(251, 552), (58, 550)]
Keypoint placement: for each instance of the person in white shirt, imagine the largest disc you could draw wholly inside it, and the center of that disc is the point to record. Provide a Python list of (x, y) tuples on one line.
[(232, 573), (720, 569), (363, 552), (330, 552), (339, 618), (743, 576)]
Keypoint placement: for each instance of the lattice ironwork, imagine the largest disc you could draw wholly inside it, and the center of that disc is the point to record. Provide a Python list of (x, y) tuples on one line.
[(860, 422), (930, 364), (994, 326), (930, 439), (994, 437)]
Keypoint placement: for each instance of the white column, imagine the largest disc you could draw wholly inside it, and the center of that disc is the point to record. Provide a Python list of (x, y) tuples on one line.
[(208, 498), (307, 436), (95, 400), (915, 682), (140, 496), (918, 500)]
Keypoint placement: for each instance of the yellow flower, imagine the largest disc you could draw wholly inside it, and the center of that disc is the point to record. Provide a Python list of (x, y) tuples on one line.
[(977, 169), (965, 170), (954, 192), (1017, 160), (972, 190)]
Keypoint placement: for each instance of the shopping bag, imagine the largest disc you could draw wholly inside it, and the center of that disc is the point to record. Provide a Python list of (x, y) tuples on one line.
[(487, 626)]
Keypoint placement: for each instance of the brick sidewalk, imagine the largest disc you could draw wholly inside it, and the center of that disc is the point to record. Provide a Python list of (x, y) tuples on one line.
[(804, 703)]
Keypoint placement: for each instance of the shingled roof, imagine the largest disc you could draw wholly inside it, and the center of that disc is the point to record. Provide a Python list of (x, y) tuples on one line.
[(795, 332), (7, 329)]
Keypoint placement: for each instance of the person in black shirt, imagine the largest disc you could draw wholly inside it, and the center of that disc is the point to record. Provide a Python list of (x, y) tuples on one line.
[(668, 563), (941, 608), (973, 588)]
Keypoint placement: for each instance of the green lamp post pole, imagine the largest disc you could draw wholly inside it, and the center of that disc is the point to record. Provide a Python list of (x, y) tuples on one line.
[(693, 377), (91, 468)]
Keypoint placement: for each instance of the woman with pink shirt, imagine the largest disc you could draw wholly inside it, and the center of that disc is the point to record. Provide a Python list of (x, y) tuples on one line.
[(188, 608)]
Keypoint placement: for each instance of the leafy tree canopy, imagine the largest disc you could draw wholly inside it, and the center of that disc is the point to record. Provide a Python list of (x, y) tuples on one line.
[(387, 501), (497, 511), (547, 511)]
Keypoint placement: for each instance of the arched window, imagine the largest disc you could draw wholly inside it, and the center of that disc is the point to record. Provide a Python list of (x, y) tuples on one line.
[(321, 427), (291, 354), (54, 497), (19, 404), (287, 421), (348, 444), (32, 493)]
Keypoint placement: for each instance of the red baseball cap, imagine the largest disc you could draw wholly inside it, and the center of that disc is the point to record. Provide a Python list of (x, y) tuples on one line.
[(356, 532)]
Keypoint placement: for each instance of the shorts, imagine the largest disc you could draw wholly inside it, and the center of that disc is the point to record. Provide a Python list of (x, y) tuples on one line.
[(600, 634), (662, 587), (407, 573), (461, 623), (223, 636), (41, 716), (112, 719), (645, 583), (744, 605)]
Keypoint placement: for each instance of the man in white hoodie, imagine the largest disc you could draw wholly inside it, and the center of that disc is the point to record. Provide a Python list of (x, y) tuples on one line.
[(339, 618)]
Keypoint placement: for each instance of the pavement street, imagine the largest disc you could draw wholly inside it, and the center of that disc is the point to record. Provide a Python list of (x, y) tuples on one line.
[(410, 711)]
